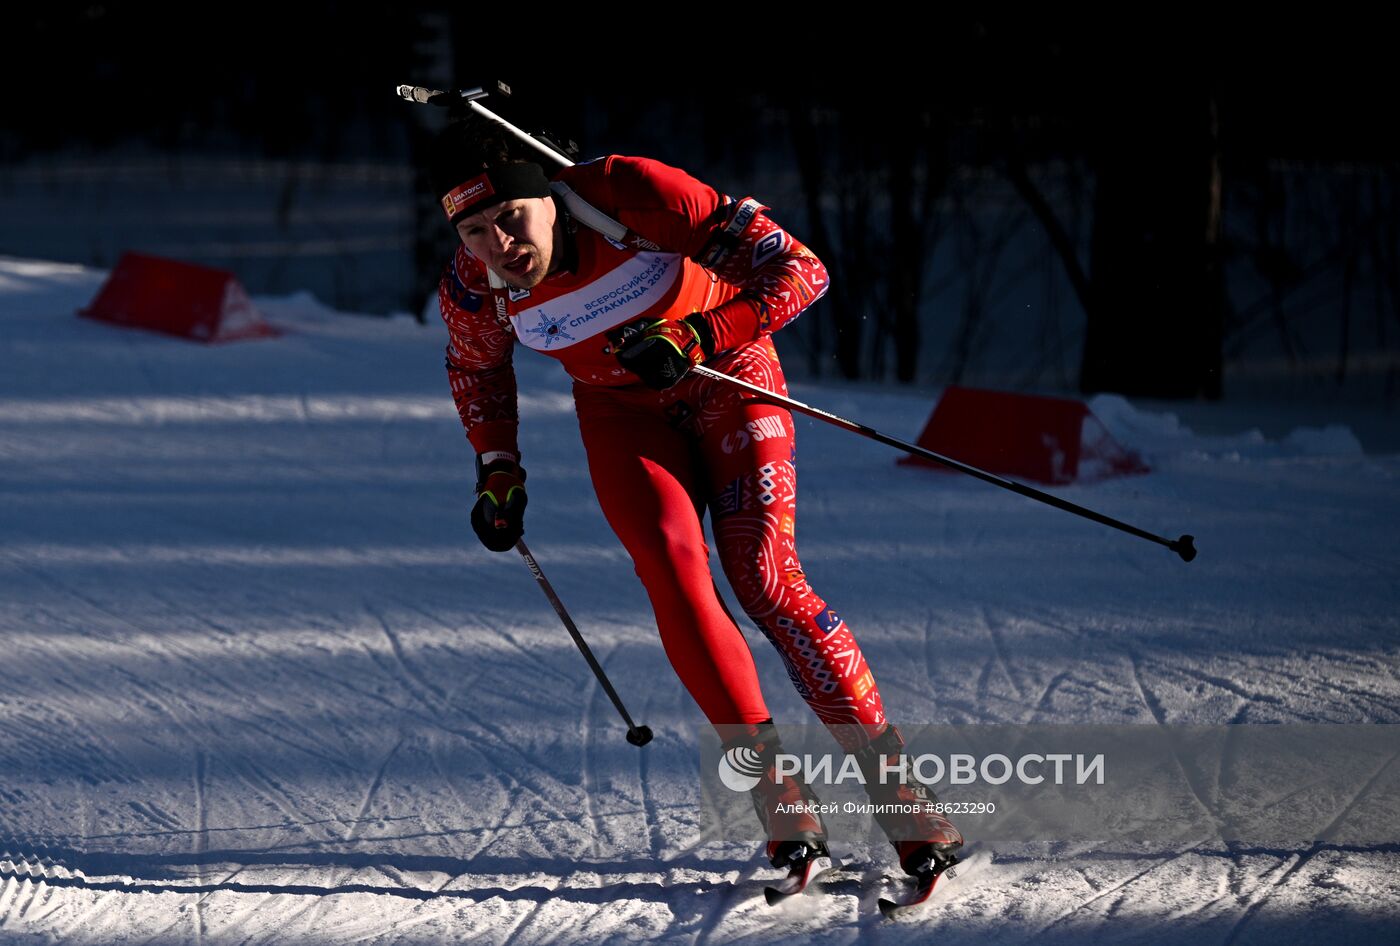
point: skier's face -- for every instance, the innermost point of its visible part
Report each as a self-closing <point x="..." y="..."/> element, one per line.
<point x="515" y="239"/>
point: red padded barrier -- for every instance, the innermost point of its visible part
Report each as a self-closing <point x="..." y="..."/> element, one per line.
<point x="1024" y="436"/>
<point x="184" y="299"/>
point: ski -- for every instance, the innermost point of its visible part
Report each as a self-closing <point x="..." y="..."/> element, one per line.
<point x="798" y="877"/>
<point x="925" y="882"/>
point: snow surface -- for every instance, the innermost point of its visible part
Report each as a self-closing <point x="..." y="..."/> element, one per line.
<point x="259" y="683"/>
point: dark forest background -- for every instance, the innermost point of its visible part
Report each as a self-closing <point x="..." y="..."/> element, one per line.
<point x="1113" y="204"/>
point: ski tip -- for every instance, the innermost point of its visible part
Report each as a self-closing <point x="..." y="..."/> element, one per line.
<point x="924" y="889"/>
<point x="798" y="880"/>
<point x="789" y="888"/>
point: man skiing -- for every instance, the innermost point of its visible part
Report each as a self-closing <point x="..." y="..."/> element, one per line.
<point x="629" y="272"/>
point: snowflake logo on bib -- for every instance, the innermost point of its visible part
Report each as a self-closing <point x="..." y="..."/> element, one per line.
<point x="551" y="330"/>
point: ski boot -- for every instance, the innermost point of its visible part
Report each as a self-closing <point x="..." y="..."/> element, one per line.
<point x="926" y="842"/>
<point x="785" y="809"/>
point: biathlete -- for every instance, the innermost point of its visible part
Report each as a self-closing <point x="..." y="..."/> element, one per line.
<point x="628" y="272"/>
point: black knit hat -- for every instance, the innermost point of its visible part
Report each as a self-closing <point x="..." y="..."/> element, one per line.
<point x="476" y="163"/>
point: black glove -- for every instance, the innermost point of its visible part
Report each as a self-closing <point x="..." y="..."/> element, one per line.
<point x="662" y="353"/>
<point x="499" y="514"/>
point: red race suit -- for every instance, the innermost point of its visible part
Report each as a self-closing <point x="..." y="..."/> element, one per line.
<point x="659" y="458"/>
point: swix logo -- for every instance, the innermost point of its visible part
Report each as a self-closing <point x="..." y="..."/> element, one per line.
<point x="755" y="431"/>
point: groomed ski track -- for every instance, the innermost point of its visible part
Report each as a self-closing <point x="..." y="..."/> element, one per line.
<point x="259" y="683"/>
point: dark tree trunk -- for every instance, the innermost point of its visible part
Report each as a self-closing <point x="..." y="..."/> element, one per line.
<point x="843" y="314"/>
<point x="1156" y="317"/>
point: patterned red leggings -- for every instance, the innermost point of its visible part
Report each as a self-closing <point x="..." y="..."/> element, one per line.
<point x="657" y="459"/>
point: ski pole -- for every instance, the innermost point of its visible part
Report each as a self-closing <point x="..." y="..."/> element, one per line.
<point x="467" y="98"/>
<point x="1184" y="546"/>
<point x="637" y="735"/>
